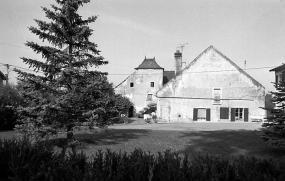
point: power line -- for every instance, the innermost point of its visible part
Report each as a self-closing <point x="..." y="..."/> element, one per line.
<point x="255" y="68"/>
<point x="13" y="45"/>
<point x="21" y="68"/>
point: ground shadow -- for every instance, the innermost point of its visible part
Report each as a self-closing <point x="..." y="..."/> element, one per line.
<point x="133" y="120"/>
<point x="230" y="143"/>
<point x="111" y="136"/>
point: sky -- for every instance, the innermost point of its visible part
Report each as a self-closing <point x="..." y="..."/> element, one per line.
<point x="127" y="31"/>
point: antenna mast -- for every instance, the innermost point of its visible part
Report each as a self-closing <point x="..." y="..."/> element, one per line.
<point x="181" y="46"/>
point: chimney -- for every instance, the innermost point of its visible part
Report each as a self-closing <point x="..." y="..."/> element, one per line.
<point x="178" y="62"/>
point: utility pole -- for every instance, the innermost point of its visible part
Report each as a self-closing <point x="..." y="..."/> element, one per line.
<point x="7" y="75"/>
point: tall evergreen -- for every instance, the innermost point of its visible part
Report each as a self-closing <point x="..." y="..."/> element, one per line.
<point x="274" y="126"/>
<point x="64" y="90"/>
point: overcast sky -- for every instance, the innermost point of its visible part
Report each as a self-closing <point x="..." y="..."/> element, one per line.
<point x="128" y="30"/>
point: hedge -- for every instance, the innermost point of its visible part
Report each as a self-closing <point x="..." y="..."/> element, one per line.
<point x="22" y="160"/>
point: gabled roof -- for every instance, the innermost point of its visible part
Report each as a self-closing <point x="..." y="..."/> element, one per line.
<point x="281" y="67"/>
<point x="149" y="64"/>
<point x="124" y="80"/>
<point x="2" y="76"/>
<point x="226" y="58"/>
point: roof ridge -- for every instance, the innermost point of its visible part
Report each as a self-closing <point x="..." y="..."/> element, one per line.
<point x="225" y="57"/>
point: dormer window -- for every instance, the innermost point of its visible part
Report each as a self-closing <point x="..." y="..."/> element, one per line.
<point x="151" y="84"/>
<point x="131" y="84"/>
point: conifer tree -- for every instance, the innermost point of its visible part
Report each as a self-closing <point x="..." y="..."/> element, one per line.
<point x="65" y="90"/>
<point x="274" y="126"/>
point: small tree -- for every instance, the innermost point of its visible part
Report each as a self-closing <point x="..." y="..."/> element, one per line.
<point x="67" y="91"/>
<point x="9" y="102"/>
<point x="122" y="102"/>
<point x="274" y="127"/>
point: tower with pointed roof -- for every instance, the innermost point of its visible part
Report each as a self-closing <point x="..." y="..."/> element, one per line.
<point x="141" y="86"/>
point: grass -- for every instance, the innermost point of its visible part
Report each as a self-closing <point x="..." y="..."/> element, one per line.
<point x="225" y="140"/>
<point x="224" y="143"/>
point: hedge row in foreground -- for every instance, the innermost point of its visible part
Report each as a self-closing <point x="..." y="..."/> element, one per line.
<point x="21" y="160"/>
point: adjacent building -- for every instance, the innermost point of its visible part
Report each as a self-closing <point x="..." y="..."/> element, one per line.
<point x="279" y="73"/>
<point x="141" y="86"/>
<point x="211" y="88"/>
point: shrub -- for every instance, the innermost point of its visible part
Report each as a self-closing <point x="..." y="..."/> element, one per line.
<point x="22" y="160"/>
<point x="10" y="100"/>
<point x="8" y="117"/>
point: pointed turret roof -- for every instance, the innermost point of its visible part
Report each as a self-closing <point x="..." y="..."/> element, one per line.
<point x="149" y="63"/>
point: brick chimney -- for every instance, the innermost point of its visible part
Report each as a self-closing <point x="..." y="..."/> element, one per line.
<point x="178" y="62"/>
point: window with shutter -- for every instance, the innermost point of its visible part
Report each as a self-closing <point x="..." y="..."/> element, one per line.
<point x="208" y="114"/>
<point x="233" y="111"/>
<point x="239" y="114"/>
<point x="224" y="113"/>
<point x="195" y="114"/>
<point x="245" y="115"/>
<point x="201" y="114"/>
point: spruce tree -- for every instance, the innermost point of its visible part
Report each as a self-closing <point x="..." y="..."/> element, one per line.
<point x="274" y="126"/>
<point x="64" y="90"/>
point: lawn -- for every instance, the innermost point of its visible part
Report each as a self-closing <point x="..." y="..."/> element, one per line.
<point x="226" y="143"/>
<point x="218" y="139"/>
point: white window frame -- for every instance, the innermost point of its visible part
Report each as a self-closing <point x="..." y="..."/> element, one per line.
<point x="238" y="118"/>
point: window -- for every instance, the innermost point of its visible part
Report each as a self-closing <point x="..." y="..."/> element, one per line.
<point x="224" y="113"/>
<point x="149" y="97"/>
<point x="151" y="84"/>
<point x="217" y="96"/>
<point x="131" y="84"/>
<point x="201" y="114"/>
<point x="239" y="114"/>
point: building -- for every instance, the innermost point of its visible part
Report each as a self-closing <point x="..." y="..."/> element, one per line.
<point x="279" y="78"/>
<point x="2" y="78"/>
<point x="211" y="88"/>
<point x="141" y="86"/>
<point x="279" y="73"/>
